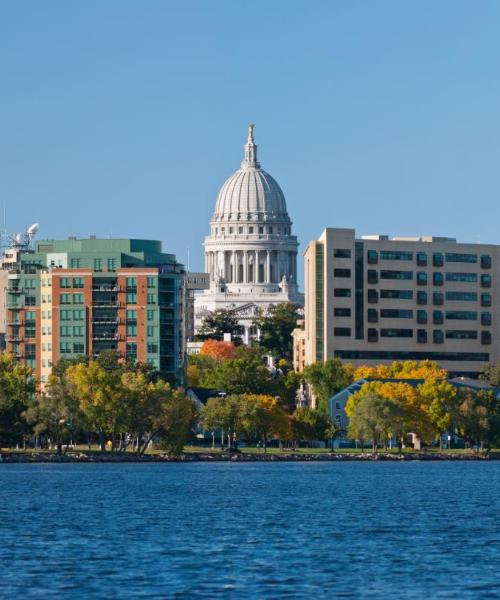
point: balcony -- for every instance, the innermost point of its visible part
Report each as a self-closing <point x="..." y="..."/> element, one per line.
<point x="106" y="321"/>
<point x="113" y="303"/>
<point x="18" y="290"/>
<point x="105" y="288"/>
<point x="106" y="336"/>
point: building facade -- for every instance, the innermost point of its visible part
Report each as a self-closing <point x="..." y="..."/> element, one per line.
<point x="375" y="300"/>
<point x="83" y="296"/>
<point x="193" y="283"/>
<point x="250" y="254"/>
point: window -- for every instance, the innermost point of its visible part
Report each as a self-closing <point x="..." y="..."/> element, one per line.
<point x="79" y="315"/>
<point x="342" y="331"/>
<point x="131" y="282"/>
<point x="437" y="336"/>
<point x="131" y="329"/>
<point x="30" y="332"/>
<point x="30" y="300"/>
<point x="151" y="331"/>
<point x="65" y="331"/>
<point x="387" y="274"/>
<point x="77" y="298"/>
<point x="396" y="333"/>
<point x="151" y="282"/>
<point x="151" y="314"/>
<point x="485" y="299"/>
<point x="342" y="272"/>
<point x="230" y="230"/>
<point x="65" y="282"/>
<point x="78" y="331"/>
<point x="467" y="277"/>
<point x="342" y="253"/>
<point x="437" y="278"/>
<point x="437" y="298"/>
<point x="461" y="296"/>
<point x="485" y="280"/>
<point x="437" y="317"/>
<point x="250" y="229"/>
<point x="131" y="297"/>
<point x="372" y="276"/>
<point x="462" y="258"/>
<point x="97" y="264"/>
<point x="131" y="314"/>
<point x="485" y="318"/>
<point x="78" y="348"/>
<point x="65" y="348"/>
<point x="461" y="315"/>
<point x="152" y="348"/>
<point x="372" y="335"/>
<point x="342" y="292"/>
<point x="397" y="294"/>
<point x="75" y="263"/>
<point x="151" y="299"/>
<point x="111" y="264"/>
<point x="240" y="230"/>
<point x="421" y="259"/>
<point x="485" y="261"/>
<point x="485" y="338"/>
<point x="395" y="255"/>
<point x="421" y="278"/>
<point x="421" y="336"/>
<point x="78" y="282"/>
<point x="372" y="296"/>
<point x="131" y="351"/>
<point x="421" y="317"/>
<point x="65" y="299"/>
<point x="372" y="257"/>
<point x="65" y="315"/>
<point x="437" y="259"/>
<point x="461" y="334"/>
<point x="261" y="229"/>
<point x="372" y="315"/>
<point x="392" y="313"/>
<point x="342" y="312"/>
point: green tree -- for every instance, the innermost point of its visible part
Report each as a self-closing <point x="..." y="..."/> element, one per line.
<point x="262" y="417"/>
<point x="478" y="417"/>
<point x="217" y="323"/>
<point x="491" y="374"/>
<point x="175" y="422"/>
<point x="223" y="414"/>
<point x="438" y="399"/>
<point x="17" y="386"/>
<point x="327" y="379"/>
<point x="276" y="326"/>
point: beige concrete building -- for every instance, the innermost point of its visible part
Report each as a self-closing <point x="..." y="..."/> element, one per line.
<point x="299" y="347"/>
<point x="374" y="299"/>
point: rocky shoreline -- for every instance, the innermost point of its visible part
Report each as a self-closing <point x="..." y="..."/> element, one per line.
<point x="82" y="457"/>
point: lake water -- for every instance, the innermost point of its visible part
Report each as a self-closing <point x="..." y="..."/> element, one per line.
<point x="254" y="530"/>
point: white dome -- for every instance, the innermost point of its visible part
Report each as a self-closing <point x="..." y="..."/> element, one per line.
<point x="251" y="194"/>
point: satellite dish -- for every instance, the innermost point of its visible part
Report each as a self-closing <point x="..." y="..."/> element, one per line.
<point x="33" y="229"/>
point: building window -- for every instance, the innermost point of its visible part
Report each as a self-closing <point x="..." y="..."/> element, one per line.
<point x="485" y="318"/>
<point x="461" y="258"/>
<point x="437" y="259"/>
<point x="131" y="297"/>
<point x="150" y="314"/>
<point x="485" y="338"/>
<point x="437" y="336"/>
<point x="437" y="317"/>
<point x="372" y="276"/>
<point x="131" y="283"/>
<point x="485" y="280"/>
<point x="151" y="299"/>
<point x="462" y="277"/>
<point x="461" y="315"/>
<point x="393" y="313"/>
<point x="131" y="314"/>
<point x="461" y="296"/>
<point x="421" y="298"/>
<point x="151" y="282"/>
<point x="421" y="317"/>
<point x="485" y="299"/>
<point x="396" y="333"/>
<point x="388" y="274"/>
<point x="397" y="294"/>
<point x="437" y="298"/>
<point x="79" y="315"/>
<point x="131" y="330"/>
<point x="372" y="296"/>
<point x="342" y="312"/>
<point x="437" y="278"/>
<point x="97" y="264"/>
<point x="65" y="331"/>
<point x="111" y="264"/>
<point x="78" y="348"/>
<point x="78" y="282"/>
<point x="65" y="282"/>
<point x="250" y="229"/>
<point x="421" y="278"/>
<point x="78" y="331"/>
<point x="152" y="348"/>
<point x="261" y="230"/>
<point x="65" y="348"/>
<point x="131" y="351"/>
<point x="342" y="292"/>
<point x="372" y="335"/>
<point x="485" y="261"/>
<point x="75" y="263"/>
<point x="342" y="331"/>
<point x="30" y="300"/>
<point x="65" y="299"/>
<point x="65" y="314"/>
<point x="372" y="315"/>
<point x="421" y="336"/>
<point x="421" y="259"/>
<point x="372" y="257"/>
<point x="342" y="273"/>
<point x="151" y="331"/>
<point x="461" y="334"/>
<point x="395" y="255"/>
<point x="342" y="253"/>
<point x="77" y="298"/>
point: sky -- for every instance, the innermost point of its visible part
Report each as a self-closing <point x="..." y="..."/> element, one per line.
<point x="123" y="118"/>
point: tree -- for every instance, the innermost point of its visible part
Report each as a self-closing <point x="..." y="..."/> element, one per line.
<point x="223" y="413"/>
<point x="217" y="323"/>
<point x="262" y="417"/>
<point x="218" y="350"/>
<point x="491" y="374"/>
<point x="408" y="369"/>
<point x="478" y="417"/>
<point x="17" y="386"/>
<point x="175" y="422"/>
<point x="199" y="369"/>
<point x="438" y="400"/>
<point x="327" y="379"/>
<point x="310" y="425"/>
<point x="276" y="326"/>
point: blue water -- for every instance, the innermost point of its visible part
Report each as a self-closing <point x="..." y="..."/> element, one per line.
<point x="255" y="530"/>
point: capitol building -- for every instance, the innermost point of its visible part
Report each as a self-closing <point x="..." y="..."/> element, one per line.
<point x="250" y="253"/>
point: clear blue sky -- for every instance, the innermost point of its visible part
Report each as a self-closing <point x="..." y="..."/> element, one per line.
<point x="124" y="118"/>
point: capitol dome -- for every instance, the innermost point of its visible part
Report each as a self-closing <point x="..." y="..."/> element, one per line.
<point x="251" y="194"/>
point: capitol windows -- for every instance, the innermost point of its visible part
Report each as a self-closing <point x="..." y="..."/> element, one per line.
<point x="261" y="230"/>
<point x="240" y="229"/>
<point x="230" y="230"/>
<point x="223" y="230"/>
<point x="270" y="229"/>
<point x="250" y="230"/>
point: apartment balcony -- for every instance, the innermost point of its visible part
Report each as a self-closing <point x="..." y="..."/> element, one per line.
<point x="111" y="303"/>
<point x="106" y="336"/>
<point x="15" y="290"/>
<point x="106" y="321"/>
<point x="105" y="288"/>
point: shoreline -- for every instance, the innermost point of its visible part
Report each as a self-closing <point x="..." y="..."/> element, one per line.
<point x="92" y="458"/>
